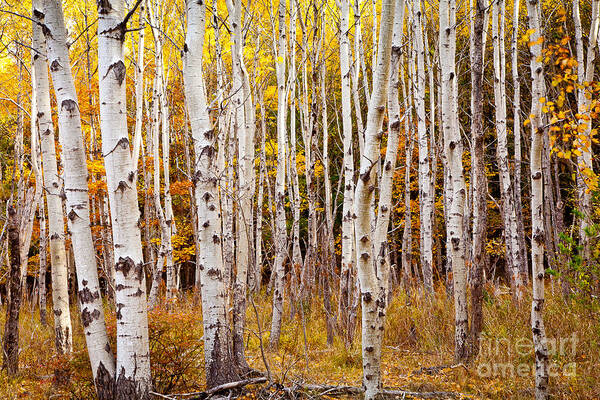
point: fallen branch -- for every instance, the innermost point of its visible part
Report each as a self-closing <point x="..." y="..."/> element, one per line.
<point x="234" y="385"/>
<point x="318" y="390"/>
<point x="212" y="391"/>
<point x="332" y="390"/>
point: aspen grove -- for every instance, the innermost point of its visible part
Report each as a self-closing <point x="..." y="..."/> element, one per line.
<point x="299" y="198"/>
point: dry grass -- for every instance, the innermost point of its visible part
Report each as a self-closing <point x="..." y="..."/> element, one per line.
<point x="419" y="335"/>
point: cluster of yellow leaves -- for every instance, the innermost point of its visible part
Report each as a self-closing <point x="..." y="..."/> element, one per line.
<point x="571" y="134"/>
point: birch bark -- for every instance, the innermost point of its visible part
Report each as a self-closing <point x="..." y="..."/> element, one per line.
<point x="425" y="180"/>
<point x="373" y="282"/>
<point x="538" y="131"/>
<point x="506" y="189"/>
<point x="53" y="189"/>
<point x="77" y="201"/>
<point x="217" y="351"/>
<point x="133" y="358"/>
<point x="480" y="189"/>
<point x="280" y="226"/>
<point x="585" y="74"/>
<point x="453" y="148"/>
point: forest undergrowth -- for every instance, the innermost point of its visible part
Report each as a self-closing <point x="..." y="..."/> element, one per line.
<point x="418" y="354"/>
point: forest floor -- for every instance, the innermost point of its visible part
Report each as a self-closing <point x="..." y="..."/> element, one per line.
<point x="417" y="353"/>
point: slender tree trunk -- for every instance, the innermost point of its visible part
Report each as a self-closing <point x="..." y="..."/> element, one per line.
<point x="133" y="358"/>
<point x="381" y="246"/>
<point x="43" y="264"/>
<point x="10" y="340"/>
<point x="373" y="282"/>
<point x="347" y="239"/>
<point x="356" y="69"/>
<point x="217" y="339"/>
<point x="245" y="141"/>
<point x="480" y="189"/>
<point x="281" y="230"/>
<point x="454" y="152"/>
<point x="506" y="190"/>
<point x="522" y="262"/>
<point x="425" y="186"/>
<point x="258" y="258"/>
<point x="77" y="202"/>
<point x="407" y="275"/>
<point x="538" y="131"/>
<point x="53" y="189"/>
<point x="297" y="261"/>
<point x="585" y="74"/>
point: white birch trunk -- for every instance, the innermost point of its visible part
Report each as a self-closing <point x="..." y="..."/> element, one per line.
<point x="506" y="191"/>
<point x="133" y="358"/>
<point x="53" y="189"/>
<point x="373" y="282"/>
<point x="523" y="264"/>
<point x="425" y="178"/>
<point x="280" y="226"/>
<point x="585" y="73"/>
<point x="538" y="131"/>
<point x="77" y="199"/>
<point x="258" y="258"/>
<point x="453" y="149"/>
<point x="297" y="260"/>
<point x="218" y="357"/>
<point x="347" y="239"/>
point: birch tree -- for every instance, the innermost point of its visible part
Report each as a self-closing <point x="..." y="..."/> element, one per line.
<point x="517" y="140"/>
<point x="585" y="73"/>
<point x="10" y="338"/>
<point x="280" y="226"/>
<point x="538" y="131"/>
<point x="244" y="128"/>
<point x="297" y="260"/>
<point x="52" y="189"/>
<point x="217" y="351"/>
<point x="77" y="199"/>
<point x="479" y="179"/>
<point x="347" y="235"/>
<point x="509" y="217"/>
<point x="373" y="282"/>
<point x="453" y="149"/>
<point x="133" y="358"/>
<point x="425" y="180"/>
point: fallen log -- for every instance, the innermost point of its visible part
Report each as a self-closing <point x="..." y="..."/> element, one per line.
<point x="333" y="390"/>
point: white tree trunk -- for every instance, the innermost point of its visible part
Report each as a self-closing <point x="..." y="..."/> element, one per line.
<point x="523" y="264"/>
<point x="509" y="216"/>
<point x="280" y="225"/>
<point x="385" y="205"/>
<point x="373" y="282"/>
<point x="409" y="147"/>
<point x="217" y="352"/>
<point x="244" y="128"/>
<point x="585" y="73"/>
<point x="297" y="260"/>
<point x="133" y="358"/>
<point x="53" y="190"/>
<point x="453" y="149"/>
<point x="425" y="178"/>
<point x="538" y="130"/>
<point x="77" y="199"/>
<point x="347" y="240"/>
<point x="262" y="180"/>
